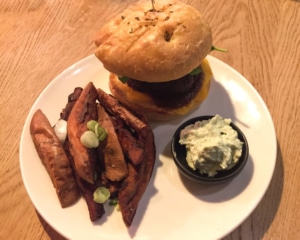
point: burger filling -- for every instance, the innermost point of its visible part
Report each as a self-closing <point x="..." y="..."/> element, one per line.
<point x="168" y="94"/>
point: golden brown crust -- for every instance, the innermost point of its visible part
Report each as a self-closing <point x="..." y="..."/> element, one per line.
<point x="142" y="102"/>
<point x="84" y="110"/>
<point x="54" y="158"/>
<point x="175" y="37"/>
<point x="135" y="184"/>
<point x="111" y="150"/>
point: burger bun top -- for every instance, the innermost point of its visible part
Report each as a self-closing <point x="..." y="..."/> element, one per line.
<point x="154" y="45"/>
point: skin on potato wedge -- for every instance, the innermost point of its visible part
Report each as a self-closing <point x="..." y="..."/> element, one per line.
<point x="84" y="110"/>
<point x="54" y="158"/>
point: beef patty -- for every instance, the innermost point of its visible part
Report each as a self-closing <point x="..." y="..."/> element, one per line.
<point x="168" y="94"/>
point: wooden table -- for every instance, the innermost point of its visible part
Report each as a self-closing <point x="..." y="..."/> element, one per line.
<point x="40" y="38"/>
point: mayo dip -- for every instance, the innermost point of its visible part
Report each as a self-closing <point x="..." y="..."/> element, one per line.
<point x="212" y="145"/>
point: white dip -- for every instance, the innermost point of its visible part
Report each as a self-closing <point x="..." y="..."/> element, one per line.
<point x="211" y="145"/>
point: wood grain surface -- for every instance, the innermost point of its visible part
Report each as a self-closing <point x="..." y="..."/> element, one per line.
<point x="41" y="38"/>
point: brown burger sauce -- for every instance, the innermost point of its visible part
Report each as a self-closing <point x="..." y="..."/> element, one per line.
<point x="172" y="94"/>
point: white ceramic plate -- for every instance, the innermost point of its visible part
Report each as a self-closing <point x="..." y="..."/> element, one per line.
<point x="172" y="207"/>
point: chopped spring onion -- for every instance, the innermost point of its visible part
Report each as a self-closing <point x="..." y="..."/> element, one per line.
<point x="91" y="125"/>
<point x="100" y="132"/>
<point x="97" y="129"/>
<point x="89" y="139"/>
<point x="113" y="202"/>
<point x="92" y="137"/>
<point x="101" y="195"/>
<point x="60" y="129"/>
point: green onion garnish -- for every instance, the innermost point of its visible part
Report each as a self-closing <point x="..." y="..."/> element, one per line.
<point x="113" y="202"/>
<point x="89" y="139"/>
<point x="101" y="195"/>
<point x="100" y="132"/>
<point x="93" y="135"/>
<point x="91" y="125"/>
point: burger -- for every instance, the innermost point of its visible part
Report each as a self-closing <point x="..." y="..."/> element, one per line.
<point x="156" y="55"/>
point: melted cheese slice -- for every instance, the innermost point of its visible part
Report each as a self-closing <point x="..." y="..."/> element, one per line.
<point x="141" y="101"/>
